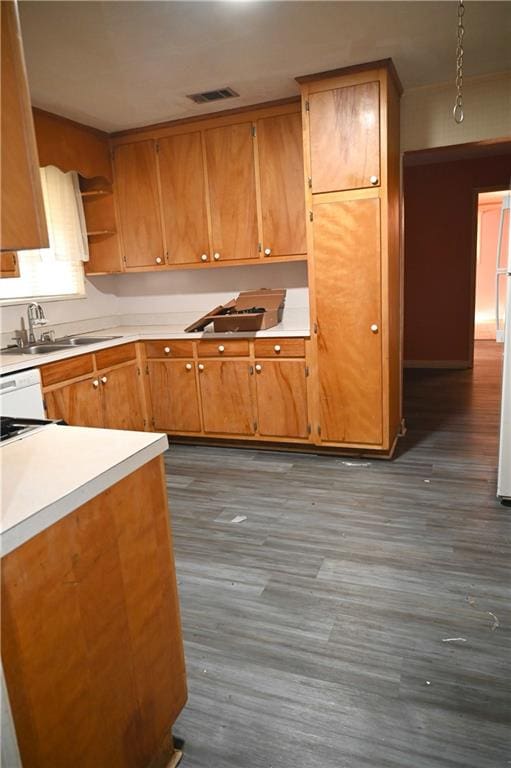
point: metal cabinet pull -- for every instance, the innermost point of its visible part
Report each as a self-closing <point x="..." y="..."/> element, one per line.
<point x="374" y="328"/>
<point x="267" y="251"/>
<point x="277" y="348"/>
<point x="216" y="256"/>
<point x="188" y="366"/>
<point x="158" y="259"/>
<point x="200" y="367"/>
<point x="221" y="348"/>
<point x="259" y="368"/>
<point x="104" y="379"/>
<point x="373" y="179"/>
<point x="204" y="257"/>
<point x="95" y="383"/>
<point x="166" y="350"/>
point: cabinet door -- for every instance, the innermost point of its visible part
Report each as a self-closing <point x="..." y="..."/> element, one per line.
<point x="122" y="406"/>
<point x="347" y="270"/>
<point x="23" y="222"/>
<point x="232" y="194"/>
<point x="79" y="404"/>
<point x="183" y="198"/>
<point x="226" y="397"/>
<point x="345" y="137"/>
<point x="9" y="265"/>
<point x="174" y="395"/>
<point x="280" y="147"/>
<point x="281" y="398"/>
<point x="138" y="201"/>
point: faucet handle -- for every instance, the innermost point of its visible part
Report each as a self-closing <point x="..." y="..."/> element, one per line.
<point x="48" y="335"/>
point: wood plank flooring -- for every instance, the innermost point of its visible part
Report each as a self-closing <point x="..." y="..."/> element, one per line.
<point x="316" y="631"/>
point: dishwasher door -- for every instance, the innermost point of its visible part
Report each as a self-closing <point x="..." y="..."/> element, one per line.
<point x="21" y="395"/>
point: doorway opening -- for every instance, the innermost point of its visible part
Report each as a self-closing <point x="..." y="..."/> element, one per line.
<point x="491" y="246"/>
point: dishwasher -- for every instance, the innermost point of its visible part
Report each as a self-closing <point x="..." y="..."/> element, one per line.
<point x="21" y="395"/>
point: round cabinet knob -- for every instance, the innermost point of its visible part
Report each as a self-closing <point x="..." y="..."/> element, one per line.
<point x="216" y="256"/>
<point x="374" y="328"/>
<point x="158" y="259"/>
<point x="277" y="348"/>
<point x="259" y="368"/>
<point x="188" y="366"/>
<point x="200" y="367"/>
<point x="95" y="383"/>
<point x="267" y="251"/>
<point x="221" y="348"/>
<point x="373" y="179"/>
<point x="104" y="379"/>
<point x="204" y="257"/>
<point x="166" y="350"/>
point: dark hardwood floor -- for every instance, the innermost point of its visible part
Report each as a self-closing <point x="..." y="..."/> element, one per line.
<point x="321" y="631"/>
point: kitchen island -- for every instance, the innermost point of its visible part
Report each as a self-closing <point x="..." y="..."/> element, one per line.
<point x="91" y="638"/>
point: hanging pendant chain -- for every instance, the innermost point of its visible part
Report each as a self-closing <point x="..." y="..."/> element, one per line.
<point x="457" y="112"/>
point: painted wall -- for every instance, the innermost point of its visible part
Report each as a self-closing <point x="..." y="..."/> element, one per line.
<point x="439" y="254"/>
<point x="426" y="113"/>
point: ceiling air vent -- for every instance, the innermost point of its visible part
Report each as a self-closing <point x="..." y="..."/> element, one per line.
<point x="206" y="96"/>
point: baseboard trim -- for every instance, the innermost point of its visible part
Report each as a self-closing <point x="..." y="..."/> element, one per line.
<point x="454" y="364"/>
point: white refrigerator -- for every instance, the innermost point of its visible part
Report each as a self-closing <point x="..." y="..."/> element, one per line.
<point x="504" y="336"/>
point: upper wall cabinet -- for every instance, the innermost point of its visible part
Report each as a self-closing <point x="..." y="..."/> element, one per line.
<point x="138" y="204"/>
<point x="232" y="191"/>
<point x="280" y="147"/>
<point x="345" y="137"/>
<point x="183" y="196"/>
<point x="23" y="223"/>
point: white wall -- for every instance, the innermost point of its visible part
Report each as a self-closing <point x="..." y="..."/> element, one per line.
<point x="100" y="302"/>
<point x="426" y="113"/>
<point x="197" y="290"/>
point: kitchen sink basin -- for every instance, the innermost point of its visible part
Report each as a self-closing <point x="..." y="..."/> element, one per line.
<point x="78" y="341"/>
<point x="38" y="349"/>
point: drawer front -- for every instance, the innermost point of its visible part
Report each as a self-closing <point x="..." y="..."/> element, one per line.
<point x="223" y="348"/>
<point x="115" y="355"/>
<point x="53" y="373"/>
<point x="169" y="348"/>
<point x="279" y="347"/>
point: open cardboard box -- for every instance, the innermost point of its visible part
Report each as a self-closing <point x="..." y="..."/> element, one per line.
<point x="269" y="300"/>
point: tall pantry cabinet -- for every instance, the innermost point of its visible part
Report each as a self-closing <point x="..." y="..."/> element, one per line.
<point x="351" y="154"/>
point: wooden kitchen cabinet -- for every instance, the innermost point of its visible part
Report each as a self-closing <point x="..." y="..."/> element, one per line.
<point x="78" y="403"/>
<point x="351" y="153"/>
<point x="183" y="196"/>
<point x="110" y="396"/>
<point x="226" y="397"/>
<point x="232" y="192"/>
<point x="280" y="147"/>
<point x="344" y="137"/>
<point x="92" y="647"/>
<point x="138" y="204"/>
<point x="9" y="264"/>
<point x="22" y="217"/>
<point x="348" y="296"/>
<point x="121" y="398"/>
<point x="281" y="394"/>
<point x="174" y="395"/>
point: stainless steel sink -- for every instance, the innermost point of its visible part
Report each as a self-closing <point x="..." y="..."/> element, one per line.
<point x="78" y="341"/>
<point x="35" y="349"/>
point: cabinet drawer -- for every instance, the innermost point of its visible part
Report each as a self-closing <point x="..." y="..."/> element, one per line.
<point x="169" y="348"/>
<point x="53" y="373"/>
<point x="223" y="348"/>
<point x="279" y="347"/>
<point x="115" y="355"/>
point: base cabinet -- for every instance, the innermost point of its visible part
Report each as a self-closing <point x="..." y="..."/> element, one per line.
<point x="121" y="398"/>
<point x="174" y="395"/>
<point x="79" y="404"/>
<point x="91" y="635"/>
<point x="226" y="397"/>
<point x="281" y="389"/>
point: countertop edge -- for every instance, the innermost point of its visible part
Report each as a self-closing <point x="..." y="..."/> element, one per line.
<point x="39" y="521"/>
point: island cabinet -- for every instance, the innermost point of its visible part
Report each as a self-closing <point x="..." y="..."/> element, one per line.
<point x="23" y="221"/>
<point x="100" y="390"/>
<point x="351" y="148"/>
<point x="219" y="190"/>
<point x="91" y="636"/>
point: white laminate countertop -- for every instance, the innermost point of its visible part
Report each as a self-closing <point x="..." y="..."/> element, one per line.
<point x="16" y="361"/>
<point x="52" y="471"/>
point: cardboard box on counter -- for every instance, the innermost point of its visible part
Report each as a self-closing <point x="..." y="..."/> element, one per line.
<point x="267" y="305"/>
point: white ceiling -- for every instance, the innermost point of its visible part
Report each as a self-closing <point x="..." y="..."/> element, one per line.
<point x="117" y="65"/>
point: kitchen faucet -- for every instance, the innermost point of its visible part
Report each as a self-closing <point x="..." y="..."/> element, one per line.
<point x="36" y="316"/>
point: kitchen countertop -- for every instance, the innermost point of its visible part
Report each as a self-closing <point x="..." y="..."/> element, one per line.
<point x="50" y="472"/>
<point x="14" y="361"/>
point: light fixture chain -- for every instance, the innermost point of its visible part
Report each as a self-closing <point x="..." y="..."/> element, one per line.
<point x="458" y="112"/>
